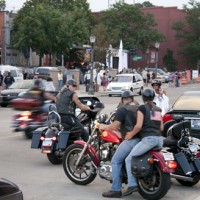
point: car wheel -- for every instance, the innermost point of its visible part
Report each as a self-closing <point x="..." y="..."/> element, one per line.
<point x="140" y="92"/>
<point x="110" y="95"/>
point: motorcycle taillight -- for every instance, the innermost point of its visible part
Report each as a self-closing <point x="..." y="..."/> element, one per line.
<point x="172" y="164"/>
<point x="53" y="138"/>
<point x="42" y="138"/>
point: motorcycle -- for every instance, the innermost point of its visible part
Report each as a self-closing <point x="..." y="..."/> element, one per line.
<point x="54" y="139"/>
<point x="186" y="152"/>
<point x="82" y="161"/>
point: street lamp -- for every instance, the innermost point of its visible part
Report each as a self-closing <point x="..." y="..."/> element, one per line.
<point x="91" y="88"/>
<point x="157" y="45"/>
<point x="110" y="53"/>
<point x="147" y="54"/>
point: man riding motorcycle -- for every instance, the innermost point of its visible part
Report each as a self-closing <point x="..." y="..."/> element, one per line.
<point x="125" y="119"/>
<point x="66" y="103"/>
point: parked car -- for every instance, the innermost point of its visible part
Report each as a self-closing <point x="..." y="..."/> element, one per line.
<point x="186" y="106"/>
<point x="161" y="75"/>
<point x="122" y="82"/>
<point x="16" y="88"/>
<point x="44" y="72"/>
<point x="9" y="190"/>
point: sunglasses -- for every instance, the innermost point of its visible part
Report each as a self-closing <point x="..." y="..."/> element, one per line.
<point x="74" y="85"/>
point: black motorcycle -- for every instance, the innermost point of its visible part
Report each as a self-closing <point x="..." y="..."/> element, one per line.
<point x="186" y="152"/>
<point x="54" y="139"/>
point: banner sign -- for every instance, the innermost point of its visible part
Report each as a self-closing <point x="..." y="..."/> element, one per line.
<point x="152" y="56"/>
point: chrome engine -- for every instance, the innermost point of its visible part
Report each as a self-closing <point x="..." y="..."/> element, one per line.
<point x="107" y="152"/>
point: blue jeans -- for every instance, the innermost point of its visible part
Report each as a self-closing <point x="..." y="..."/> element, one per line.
<point x="146" y="144"/>
<point x="118" y="160"/>
<point x="60" y="84"/>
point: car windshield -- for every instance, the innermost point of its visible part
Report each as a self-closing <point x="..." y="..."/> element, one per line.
<point x="123" y="79"/>
<point x="42" y="71"/>
<point x="187" y="103"/>
<point x="22" y="85"/>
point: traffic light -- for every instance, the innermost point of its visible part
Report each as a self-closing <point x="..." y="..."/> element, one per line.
<point x="133" y="51"/>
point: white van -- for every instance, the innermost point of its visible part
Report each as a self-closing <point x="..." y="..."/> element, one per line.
<point x="15" y="71"/>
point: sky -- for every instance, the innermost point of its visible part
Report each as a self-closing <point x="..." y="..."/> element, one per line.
<point x="98" y="5"/>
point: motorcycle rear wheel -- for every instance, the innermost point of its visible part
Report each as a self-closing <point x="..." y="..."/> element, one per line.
<point x="154" y="186"/>
<point x="85" y="172"/>
<point x="28" y="134"/>
<point x="54" y="159"/>
<point x="188" y="183"/>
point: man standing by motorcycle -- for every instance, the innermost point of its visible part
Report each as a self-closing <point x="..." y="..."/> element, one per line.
<point x="66" y="103"/>
<point x="149" y="126"/>
<point x="125" y="119"/>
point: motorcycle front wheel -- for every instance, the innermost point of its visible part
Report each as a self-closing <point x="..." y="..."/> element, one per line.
<point x="54" y="159"/>
<point x="154" y="186"/>
<point x="85" y="172"/>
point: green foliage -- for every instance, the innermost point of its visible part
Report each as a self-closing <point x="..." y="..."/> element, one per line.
<point x="48" y="27"/>
<point x="128" y="23"/>
<point x="2" y="5"/>
<point x="188" y="32"/>
<point x="169" y="62"/>
<point x="145" y="4"/>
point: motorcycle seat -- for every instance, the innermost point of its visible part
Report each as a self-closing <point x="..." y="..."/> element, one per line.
<point x="169" y="141"/>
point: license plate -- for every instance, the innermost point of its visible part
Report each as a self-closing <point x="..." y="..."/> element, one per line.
<point x="195" y="123"/>
<point x="168" y="156"/>
<point x="194" y="147"/>
<point x="47" y="143"/>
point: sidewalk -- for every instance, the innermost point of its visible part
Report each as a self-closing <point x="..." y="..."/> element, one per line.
<point x="82" y="92"/>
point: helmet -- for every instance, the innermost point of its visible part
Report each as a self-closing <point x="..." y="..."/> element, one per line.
<point x="148" y="94"/>
<point x="127" y="94"/>
<point x="156" y="82"/>
<point x="72" y="82"/>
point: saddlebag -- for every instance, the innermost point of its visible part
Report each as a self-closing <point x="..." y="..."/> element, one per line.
<point x="63" y="139"/>
<point x="140" y="166"/>
<point x="36" y="142"/>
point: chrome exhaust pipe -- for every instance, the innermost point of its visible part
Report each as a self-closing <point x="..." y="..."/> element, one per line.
<point x="184" y="178"/>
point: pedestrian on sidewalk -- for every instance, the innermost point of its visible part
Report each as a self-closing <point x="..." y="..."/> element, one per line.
<point x="60" y="80"/>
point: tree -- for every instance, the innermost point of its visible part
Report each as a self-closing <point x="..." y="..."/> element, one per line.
<point x="2" y="5"/>
<point x="49" y="30"/>
<point x="128" y="23"/>
<point x="188" y="32"/>
<point x="145" y="4"/>
<point x="169" y="62"/>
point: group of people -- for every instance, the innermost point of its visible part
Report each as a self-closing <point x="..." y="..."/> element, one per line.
<point x="6" y="80"/>
<point x="140" y="126"/>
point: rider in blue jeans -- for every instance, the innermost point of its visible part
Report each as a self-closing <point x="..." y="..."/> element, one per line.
<point x="149" y="126"/>
<point x="125" y="119"/>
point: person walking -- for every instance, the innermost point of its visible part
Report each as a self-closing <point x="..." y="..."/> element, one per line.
<point x="1" y="81"/>
<point x="60" y="80"/>
<point x="104" y="81"/>
<point x="97" y="82"/>
<point x="9" y="80"/>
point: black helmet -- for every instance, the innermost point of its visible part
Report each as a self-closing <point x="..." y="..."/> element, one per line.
<point x="72" y="82"/>
<point x="156" y="82"/>
<point x="148" y="94"/>
<point x="127" y="94"/>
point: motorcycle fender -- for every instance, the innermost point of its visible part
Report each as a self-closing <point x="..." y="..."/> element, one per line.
<point x="63" y="139"/>
<point x="161" y="161"/>
<point x="91" y="150"/>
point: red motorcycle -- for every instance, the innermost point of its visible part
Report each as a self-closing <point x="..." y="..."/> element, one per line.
<point x="83" y="161"/>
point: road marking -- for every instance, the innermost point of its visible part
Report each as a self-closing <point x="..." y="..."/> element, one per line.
<point x="17" y="135"/>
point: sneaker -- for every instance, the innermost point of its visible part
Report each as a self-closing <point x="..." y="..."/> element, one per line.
<point x="112" y="194"/>
<point x="130" y="190"/>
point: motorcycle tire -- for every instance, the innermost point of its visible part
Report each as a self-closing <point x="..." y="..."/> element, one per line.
<point x="85" y="173"/>
<point x="54" y="159"/>
<point x="188" y="183"/>
<point x="28" y="134"/>
<point x="154" y="186"/>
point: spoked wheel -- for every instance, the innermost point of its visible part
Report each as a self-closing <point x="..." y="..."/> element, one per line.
<point x="188" y="183"/>
<point x="54" y="159"/>
<point x="85" y="172"/>
<point x="154" y="186"/>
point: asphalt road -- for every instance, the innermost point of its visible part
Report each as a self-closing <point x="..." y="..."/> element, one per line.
<point x="38" y="179"/>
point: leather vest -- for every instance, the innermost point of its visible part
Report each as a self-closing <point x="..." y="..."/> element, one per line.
<point x="151" y="125"/>
<point x="130" y="119"/>
<point x="64" y="102"/>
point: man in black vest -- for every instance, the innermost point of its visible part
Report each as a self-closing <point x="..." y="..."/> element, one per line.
<point x="66" y="103"/>
<point x="125" y="120"/>
<point x="9" y="80"/>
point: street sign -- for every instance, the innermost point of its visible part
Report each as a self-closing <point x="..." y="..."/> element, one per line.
<point x="135" y="58"/>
